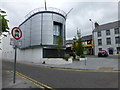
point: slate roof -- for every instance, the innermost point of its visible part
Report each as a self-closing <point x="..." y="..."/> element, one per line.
<point x="107" y="26"/>
<point x="88" y="37"/>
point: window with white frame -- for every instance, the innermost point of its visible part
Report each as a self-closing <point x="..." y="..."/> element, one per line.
<point x="99" y="42"/>
<point x="117" y="30"/>
<point x="99" y="33"/>
<point x="117" y="40"/>
<point x="107" y="32"/>
<point x="108" y="41"/>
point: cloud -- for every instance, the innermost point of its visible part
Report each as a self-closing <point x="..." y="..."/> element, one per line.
<point x="102" y="12"/>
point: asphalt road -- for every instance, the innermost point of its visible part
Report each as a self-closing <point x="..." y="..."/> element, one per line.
<point x="66" y="79"/>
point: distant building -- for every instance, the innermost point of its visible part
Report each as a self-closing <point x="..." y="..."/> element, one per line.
<point x="107" y="37"/>
<point x="88" y="44"/>
<point x="86" y="41"/>
<point x="69" y="43"/>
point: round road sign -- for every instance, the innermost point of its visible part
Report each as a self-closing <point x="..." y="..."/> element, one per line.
<point x="16" y="33"/>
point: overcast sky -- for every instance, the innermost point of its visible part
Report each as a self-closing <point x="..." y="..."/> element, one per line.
<point x="101" y="12"/>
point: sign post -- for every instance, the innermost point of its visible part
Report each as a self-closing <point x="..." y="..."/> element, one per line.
<point x="14" y="77"/>
<point x="17" y="34"/>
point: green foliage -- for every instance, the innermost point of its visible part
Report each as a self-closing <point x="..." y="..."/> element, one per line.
<point x="77" y="45"/>
<point x="80" y="47"/>
<point x="66" y="58"/>
<point x="3" y="22"/>
<point x="73" y="55"/>
<point x="74" y="44"/>
<point x="59" y="44"/>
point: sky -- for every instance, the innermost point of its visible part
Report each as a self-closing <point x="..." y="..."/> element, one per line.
<point x="101" y="11"/>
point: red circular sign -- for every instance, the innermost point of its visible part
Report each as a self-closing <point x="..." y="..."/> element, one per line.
<point x="16" y="33"/>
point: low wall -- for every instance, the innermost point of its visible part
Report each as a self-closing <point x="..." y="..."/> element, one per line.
<point x="56" y="61"/>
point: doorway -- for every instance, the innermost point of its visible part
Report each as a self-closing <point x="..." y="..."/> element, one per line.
<point x="110" y="50"/>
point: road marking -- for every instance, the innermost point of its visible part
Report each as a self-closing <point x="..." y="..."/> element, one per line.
<point x="70" y="69"/>
<point x="86" y="70"/>
<point x="38" y="84"/>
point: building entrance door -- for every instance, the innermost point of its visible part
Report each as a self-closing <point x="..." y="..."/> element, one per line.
<point x="110" y="50"/>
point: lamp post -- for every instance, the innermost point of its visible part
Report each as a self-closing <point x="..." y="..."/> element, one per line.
<point x="92" y="23"/>
<point x="92" y="35"/>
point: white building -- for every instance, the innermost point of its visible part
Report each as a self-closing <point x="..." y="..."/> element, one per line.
<point x="40" y="30"/>
<point x="0" y="48"/>
<point x="107" y="37"/>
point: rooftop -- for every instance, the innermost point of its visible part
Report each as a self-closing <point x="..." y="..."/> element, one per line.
<point x="107" y="26"/>
<point x="42" y="9"/>
<point x="84" y="38"/>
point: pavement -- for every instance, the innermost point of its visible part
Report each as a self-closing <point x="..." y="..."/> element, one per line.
<point x="0" y="74"/>
<point x="92" y="63"/>
<point x="20" y="82"/>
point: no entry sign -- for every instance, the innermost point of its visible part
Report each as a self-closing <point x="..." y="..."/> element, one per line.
<point x="16" y="33"/>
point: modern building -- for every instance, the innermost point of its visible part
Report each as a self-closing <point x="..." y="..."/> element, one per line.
<point x="43" y="29"/>
<point x="40" y="33"/>
<point x="107" y="37"/>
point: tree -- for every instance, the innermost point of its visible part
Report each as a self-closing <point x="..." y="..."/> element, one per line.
<point x="3" y="22"/>
<point x="77" y="45"/>
<point x="59" y="44"/>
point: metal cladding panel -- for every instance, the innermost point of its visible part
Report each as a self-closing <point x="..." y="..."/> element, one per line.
<point x="60" y="19"/>
<point x="27" y="33"/>
<point x="36" y="30"/>
<point x="47" y="29"/>
<point x="47" y="16"/>
<point x="23" y="35"/>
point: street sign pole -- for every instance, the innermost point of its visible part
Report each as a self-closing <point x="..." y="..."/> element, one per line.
<point x="14" y="78"/>
<point x="17" y="34"/>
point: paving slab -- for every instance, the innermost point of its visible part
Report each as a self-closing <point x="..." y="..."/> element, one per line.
<point x="92" y="63"/>
<point x="20" y="82"/>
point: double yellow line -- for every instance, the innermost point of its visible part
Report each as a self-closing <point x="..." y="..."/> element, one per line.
<point x="36" y="83"/>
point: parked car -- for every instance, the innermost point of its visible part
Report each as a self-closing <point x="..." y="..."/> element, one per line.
<point x="102" y="53"/>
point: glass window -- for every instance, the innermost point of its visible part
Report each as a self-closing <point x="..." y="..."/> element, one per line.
<point x="100" y="49"/>
<point x="108" y="41"/>
<point x="117" y="40"/>
<point x="99" y="33"/>
<point x="117" y="31"/>
<point x="107" y="32"/>
<point x="99" y="41"/>
<point x="56" y="31"/>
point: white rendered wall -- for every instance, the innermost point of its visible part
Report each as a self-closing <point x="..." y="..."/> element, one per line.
<point x="104" y="46"/>
<point x="31" y="55"/>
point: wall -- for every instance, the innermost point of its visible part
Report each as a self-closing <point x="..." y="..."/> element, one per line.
<point x="31" y="55"/>
<point x="38" y="29"/>
<point x="104" y="46"/>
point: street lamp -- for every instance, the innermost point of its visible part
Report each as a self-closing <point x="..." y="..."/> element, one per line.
<point x="92" y="36"/>
<point x="92" y="23"/>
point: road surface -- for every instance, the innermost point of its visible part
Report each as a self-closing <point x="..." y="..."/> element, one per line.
<point x="58" y="78"/>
